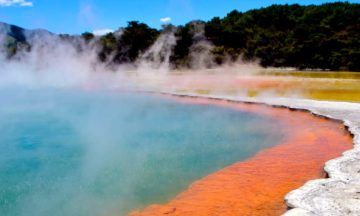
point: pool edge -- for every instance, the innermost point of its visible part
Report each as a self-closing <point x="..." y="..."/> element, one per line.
<point x="301" y="201"/>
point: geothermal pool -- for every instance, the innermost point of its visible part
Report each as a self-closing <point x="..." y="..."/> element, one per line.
<point x="107" y="153"/>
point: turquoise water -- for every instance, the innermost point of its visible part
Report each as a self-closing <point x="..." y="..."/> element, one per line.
<point x="107" y="153"/>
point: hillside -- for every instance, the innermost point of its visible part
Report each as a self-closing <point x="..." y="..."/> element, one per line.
<point x="304" y="37"/>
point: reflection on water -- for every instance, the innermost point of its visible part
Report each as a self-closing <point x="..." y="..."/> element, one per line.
<point x="103" y="153"/>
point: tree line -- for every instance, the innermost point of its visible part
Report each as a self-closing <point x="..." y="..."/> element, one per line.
<point x="323" y="36"/>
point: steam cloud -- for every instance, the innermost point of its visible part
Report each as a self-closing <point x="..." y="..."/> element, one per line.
<point x="157" y="57"/>
<point x="200" y="52"/>
<point x="53" y="61"/>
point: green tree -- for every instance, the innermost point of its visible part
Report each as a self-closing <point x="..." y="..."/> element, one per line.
<point x="87" y="36"/>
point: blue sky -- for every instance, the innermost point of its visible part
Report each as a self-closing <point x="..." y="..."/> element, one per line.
<point x="77" y="16"/>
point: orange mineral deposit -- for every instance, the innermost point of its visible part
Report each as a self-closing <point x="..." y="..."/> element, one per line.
<point x="258" y="185"/>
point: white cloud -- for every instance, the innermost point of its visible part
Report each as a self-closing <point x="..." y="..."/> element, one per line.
<point x="165" y="20"/>
<point x="100" y="32"/>
<point x="21" y="3"/>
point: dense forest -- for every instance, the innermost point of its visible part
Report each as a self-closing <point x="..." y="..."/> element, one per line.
<point x="323" y="36"/>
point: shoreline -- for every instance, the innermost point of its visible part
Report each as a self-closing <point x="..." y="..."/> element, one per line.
<point x="338" y="194"/>
<point x="265" y="208"/>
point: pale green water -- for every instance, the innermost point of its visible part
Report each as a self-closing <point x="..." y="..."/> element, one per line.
<point x="102" y="153"/>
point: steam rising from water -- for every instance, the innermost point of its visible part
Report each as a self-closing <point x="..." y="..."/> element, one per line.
<point x="55" y="62"/>
<point x="200" y="52"/>
<point x="157" y="58"/>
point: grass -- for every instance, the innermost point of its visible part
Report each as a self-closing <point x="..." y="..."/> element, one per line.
<point x="334" y="95"/>
<point x="313" y="74"/>
<point x="331" y="86"/>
